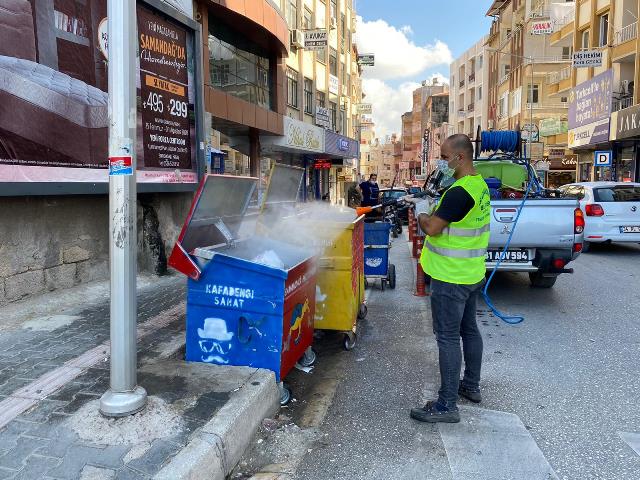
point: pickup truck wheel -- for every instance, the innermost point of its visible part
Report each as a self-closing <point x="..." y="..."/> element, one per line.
<point x="539" y="281"/>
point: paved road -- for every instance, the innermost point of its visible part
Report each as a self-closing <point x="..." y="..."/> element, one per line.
<point x="570" y="373"/>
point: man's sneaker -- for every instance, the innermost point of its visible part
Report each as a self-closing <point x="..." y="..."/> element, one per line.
<point x="433" y="412"/>
<point x="472" y="395"/>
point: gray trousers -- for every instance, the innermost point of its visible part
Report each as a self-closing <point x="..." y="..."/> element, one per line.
<point x="453" y="308"/>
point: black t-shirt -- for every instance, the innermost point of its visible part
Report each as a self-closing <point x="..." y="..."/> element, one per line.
<point x="455" y="205"/>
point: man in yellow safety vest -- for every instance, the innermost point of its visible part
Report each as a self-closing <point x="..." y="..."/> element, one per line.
<point x="454" y="256"/>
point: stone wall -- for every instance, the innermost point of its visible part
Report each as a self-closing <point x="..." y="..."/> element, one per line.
<point x="49" y="243"/>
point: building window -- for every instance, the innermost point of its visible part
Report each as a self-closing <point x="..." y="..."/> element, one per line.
<point x="334" y="9"/>
<point x="333" y="110"/>
<point x="333" y="62"/>
<point x="585" y="39"/>
<point x="292" y="14"/>
<point x="480" y="93"/>
<point x="603" y="22"/>
<point x="479" y="64"/>
<point x="321" y="99"/>
<point x="292" y="88"/>
<point x="343" y="121"/>
<point x="307" y="21"/>
<point x="566" y="53"/>
<point x="343" y="71"/>
<point x="239" y="67"/>
<point x="343" y="29"/>
<point x="308" y="96"/>
<point x="564" y="99"/>
<point x="533" y="94"/>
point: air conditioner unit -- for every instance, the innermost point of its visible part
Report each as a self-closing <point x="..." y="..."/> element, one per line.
<point x="333" y="23"/>
<point x="297" y="38"/>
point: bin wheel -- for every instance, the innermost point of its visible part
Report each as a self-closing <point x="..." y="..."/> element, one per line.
<point x="382" y="282"/>
<point x="391" y="277"/>
<point x="362" y="312"/>
<point x="285" y="394"/>
<point x="394" y="233"/>
<point x="350" y="340"/>
<point x="309" y="358"/>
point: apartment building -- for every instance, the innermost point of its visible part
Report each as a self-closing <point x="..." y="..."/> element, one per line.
<point x="604" y="102"/>
<point x="526" y="68"/>
<point x="418" y="123"/>
<point x="323" y="90"/>
<point x="468" y="78"/>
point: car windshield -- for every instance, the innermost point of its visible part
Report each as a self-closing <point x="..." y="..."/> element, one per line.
<point x="621" y="193"/>
<point x="393" y="193"/>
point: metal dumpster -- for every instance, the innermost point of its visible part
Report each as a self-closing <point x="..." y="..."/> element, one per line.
<point x="377" y="243"/>
<point x="250" y="301"/>
<point x="338" y="237"/>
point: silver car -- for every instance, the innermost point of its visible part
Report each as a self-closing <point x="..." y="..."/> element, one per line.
<point x="611" y="211"/>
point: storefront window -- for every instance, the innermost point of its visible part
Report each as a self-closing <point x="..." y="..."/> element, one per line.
<point x="626" y="165"/>
<point x="603" y="174"/>
<point x="238" y="67"/>
<point x="585" y="172"/>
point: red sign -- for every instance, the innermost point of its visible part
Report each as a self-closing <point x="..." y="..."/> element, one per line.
<point x="322" y="164"/>
<point x="120" y="165"/>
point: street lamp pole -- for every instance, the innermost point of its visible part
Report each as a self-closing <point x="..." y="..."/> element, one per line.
<point x="124" y="396"/>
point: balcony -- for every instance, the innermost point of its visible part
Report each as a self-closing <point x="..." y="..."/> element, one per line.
<point x="472" y="78"/>
<point x="625" y="34"/>
<point x="622" y="103"/>
<point x="546" y="106"/>
<point x="471" y="107"/>
<point x="462" y="113"/>
<point x="557" y="77"/>
<point x="461" y="83"/>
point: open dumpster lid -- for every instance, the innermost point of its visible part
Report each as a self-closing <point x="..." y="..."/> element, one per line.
<point x="214" y="219"/>
<point x="282" y="192"/>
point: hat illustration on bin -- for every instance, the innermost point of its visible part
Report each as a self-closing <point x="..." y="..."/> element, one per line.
<point x="216" y="329"/>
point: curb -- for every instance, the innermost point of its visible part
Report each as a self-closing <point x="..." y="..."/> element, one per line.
<point x="218" y="446"/>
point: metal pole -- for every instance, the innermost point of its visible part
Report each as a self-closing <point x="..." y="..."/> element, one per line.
<point x="124" y="397"/>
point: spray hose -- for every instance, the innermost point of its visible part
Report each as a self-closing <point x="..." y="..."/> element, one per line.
<point x="510" y="319"/>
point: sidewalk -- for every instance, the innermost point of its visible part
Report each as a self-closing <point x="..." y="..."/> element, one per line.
<point x="54" y="367"/>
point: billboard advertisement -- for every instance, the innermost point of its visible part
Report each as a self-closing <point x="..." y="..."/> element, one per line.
<point x="54" y="101"/>
<point x="589" y="110"/>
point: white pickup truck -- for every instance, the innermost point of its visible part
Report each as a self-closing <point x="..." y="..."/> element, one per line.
<point x="549" y="233"/>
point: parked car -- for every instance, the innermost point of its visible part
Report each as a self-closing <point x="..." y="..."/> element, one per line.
<point x="395" y="193"/>
<point x="611" y="210"/>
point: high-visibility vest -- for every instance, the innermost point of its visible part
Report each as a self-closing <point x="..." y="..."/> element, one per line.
<point x="458" y="254"/>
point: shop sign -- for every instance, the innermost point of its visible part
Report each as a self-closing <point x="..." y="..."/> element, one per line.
<point x="537" y="151"/>
<point x="365" y="108"/>
<point x="590" y="101"/>
<point x="603" y="158"/>
<point x="323" y="118"/>
<point x="343" y="144"/>
<point x="530" y="129"/>
<point x="625" y="123"/>
<point x="302" y="136"/>
<point x="569" y="162"/>
<point x="590" y="134"/>
<point x="167" y="99"/>
<point x="587" y="58"/>
<point x="552" y="126"/>
<point x="333" y="84"/>
<point x="316" y="40"/>
<point x="542" y="27"/>
<point x="556" y="153"/>
<point x="366" y="60"/>
<point x="322" y="164"/>
<point x="542" y="166"/>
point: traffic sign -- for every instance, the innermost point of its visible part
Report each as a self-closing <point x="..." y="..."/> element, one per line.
<point x="603" y="158"/>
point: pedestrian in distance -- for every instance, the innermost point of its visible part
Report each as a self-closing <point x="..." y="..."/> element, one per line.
<point x="370" y="191"/>
<point x="457" y="237"/>
<point x="354" y="196"/>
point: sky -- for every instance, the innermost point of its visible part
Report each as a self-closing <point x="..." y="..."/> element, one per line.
<point x="412" y="40"/>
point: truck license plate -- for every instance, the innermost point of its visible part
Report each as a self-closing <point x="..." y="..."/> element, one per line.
<point x="635" y="229"/>
<point x="511" y="256"/>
